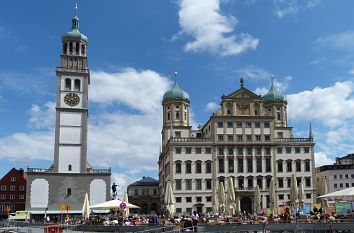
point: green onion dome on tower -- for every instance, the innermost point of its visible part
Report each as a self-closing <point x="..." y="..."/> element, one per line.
<point x="74" y="34"/>
<point x="273" y="95"/>
<point x="176" y="93"/>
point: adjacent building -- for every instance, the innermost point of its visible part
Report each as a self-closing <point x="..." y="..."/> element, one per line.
<point x="12" y="192"/>
<point x="64" y="184"/>
<point x="145" y="194"/>
<point x="247" y="138"/>
<point x="339" y="175"/>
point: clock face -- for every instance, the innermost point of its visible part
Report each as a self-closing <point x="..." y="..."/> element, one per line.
<point x="72" y="99"/>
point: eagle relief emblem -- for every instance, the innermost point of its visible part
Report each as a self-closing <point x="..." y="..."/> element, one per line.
<point x="243" y="108"/>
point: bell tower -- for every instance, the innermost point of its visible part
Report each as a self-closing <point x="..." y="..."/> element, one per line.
<point x="73" y="78"/>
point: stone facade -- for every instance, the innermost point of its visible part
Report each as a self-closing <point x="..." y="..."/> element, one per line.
<point x="247" y="138"/>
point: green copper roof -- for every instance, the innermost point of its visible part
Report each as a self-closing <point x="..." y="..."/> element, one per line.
<point x="176" y="93"/>
<point x="273" y="95"/>
<point x="74" y="34"/>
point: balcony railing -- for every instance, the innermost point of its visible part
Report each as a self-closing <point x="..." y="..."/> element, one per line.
<point x="31" y="169"/>
<point x="50" y="170"/>
<point x="73" y="69"/>
<point x="174" y="139"/>
<point x="293" y="139"/>
<point x="102" y="170"/>
<point x="245" y="188"/>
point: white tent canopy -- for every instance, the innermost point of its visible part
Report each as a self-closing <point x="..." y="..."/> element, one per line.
<point x="113" y="204"/>
<point x="349" y="192"/>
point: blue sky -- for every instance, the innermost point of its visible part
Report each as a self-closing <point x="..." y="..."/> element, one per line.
<point x="135" y="46"/>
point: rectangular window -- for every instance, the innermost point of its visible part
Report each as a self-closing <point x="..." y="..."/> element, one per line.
<point x="335" y="177"/>
<point x="297" y="150"/>
<point x="289" y="165"/>
<point x="249" y="138"/>
<point x="188" y="150"/>
<point x="258" y="151"/>
<point x="136" y="192"/>
<point x="288" y="181"/>
<point x="307" y="165"/>
<point x="346" y="176"/>
<point x="198" y="199"/>
<point x="267" y="151"/>
<point x="239" y="124"/>
<point x="268" y="182"/>
<point x="240" y="183"/>
<point x="220" y="124"/>
<point x="280" y="165"/>
<point x="12" y="188"/>
<point x="198" y="167"/>
<point x="239" y="138"/>
<point x="347" y="185"/>
<point x="281" y="196"/>
<point x="221" y="165"/>
<point x="257" y="125"/>
<point x="249" y="151"/>
<point x="266" y="137"/>
<point x="198" y="150"/>
<point x="188" y="199"/>
<point x="207" y="150"/>
<point x="306" y="150"/>
<point x="298" y="165"/>
<point x="288" y="150"/>
<point x="178" y="199"/>
<point x="12" y="197"/>
<point x="188" y="184"/>
<point x="266" y="124"/>
<point x="3" y="188"/>
<point x="178" y="150"/>
<point x="268" y="164"/>
<point x="335" y="186"/>
<point x="260" y="182"/>
<point x="178" y="184"/>
<point x="3" y="196"/>
<point x="279" y="150"/>
<point x="248" y="125"/>
<point x="280" y="183"/>
<point x="250" y="182"/>
<point x="341" y="185"/>
<point x="177" y="134"/>
<point x="188" y="167"/>
<point x="308" y="195"/>
<point x="208" y="198"/>
<point x="220" y="137"/>
<point x="259" y="164"/>
<point x="208" y="167"/>
<point x="229" y="124"/>
<point x="21" y="197"/>
<point x="239" y="151"/>
<point x="221" y="151"/>
<point x="249" y="165"/>
<point x="208" y="184"/>
<point x="308" y="181"/>
<point x="258" y="138"/>
<point x="240" y="164"/>
<point x="230" y="137"/>
<point x="198" y="184"/>
<point x="178" y="168"/>
<point x="231" y="165"/>
<point x="13" y="178"/>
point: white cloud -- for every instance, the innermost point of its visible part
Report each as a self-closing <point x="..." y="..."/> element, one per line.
<point x="141" y="90"/>
<point x="123" y="180"/>
<point x="40" y="118"/>
<point x="331" y="105"/>
<point x="211" y="106"/>
<point x="211" y="30"/>
<point x="254" y="73"/>
<point x="261" y="90"/>
<point x="343" y="41"/>
<point x="292" y="7"/>
<point x="322" y="159"/>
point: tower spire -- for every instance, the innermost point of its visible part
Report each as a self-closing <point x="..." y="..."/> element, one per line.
<point x="75" y="19"/>
<point x="175" y="76"/>
<point x="75" y="9"/>
<point x="272" y="79"/>
<point x="241" y="82"/>
<point x="310" y="132"/>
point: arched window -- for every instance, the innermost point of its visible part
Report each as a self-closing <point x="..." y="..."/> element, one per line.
<point x="77" y="48"/>
<point x="71" y="47"/>
<point x="65" y="45"/>
<point x="68" y="84"/>
<point x="68" y="192"/>
<point x="77" y="85"/>
<point x="69" y="167"/>
<point x="83" y="49"/>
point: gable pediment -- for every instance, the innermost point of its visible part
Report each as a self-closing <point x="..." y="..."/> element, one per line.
<point x="242" y="93"/>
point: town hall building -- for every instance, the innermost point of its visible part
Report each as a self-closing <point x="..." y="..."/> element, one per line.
<point x="247" y="138"/>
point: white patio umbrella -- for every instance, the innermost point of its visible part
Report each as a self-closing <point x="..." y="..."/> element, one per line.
<point x="86" y="208"/>
<point x="349" y="192"/>
<point x="221" y="197"/>
<point x="231" y="196"/>
<point x="126" y="200"/>
<point x="294" y="193"/>
<point x="114" y="204"/>
<point x="169" y="199"/>
<point x="215" y="200"/>
<point x="257" y="200"/>
<point x="272" y="196"/>
<point x="301" y="196"/>
<point x="324" y="191"/>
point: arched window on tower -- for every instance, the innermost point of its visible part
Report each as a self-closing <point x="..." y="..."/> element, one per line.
<point x="71" y="47"/>
<point x="77" y="48"/>
<point x="177" y="115"/>
<point x="68" y="84"/>
<point x="77" y="85"/>
<point x="68" y="192"/>
<point x="69" y="167"/>
<point x="83" y="49"/>
<point x="65" y="46"/>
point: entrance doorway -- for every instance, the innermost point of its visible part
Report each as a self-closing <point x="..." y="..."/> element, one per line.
<point x="246" y="205"/>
